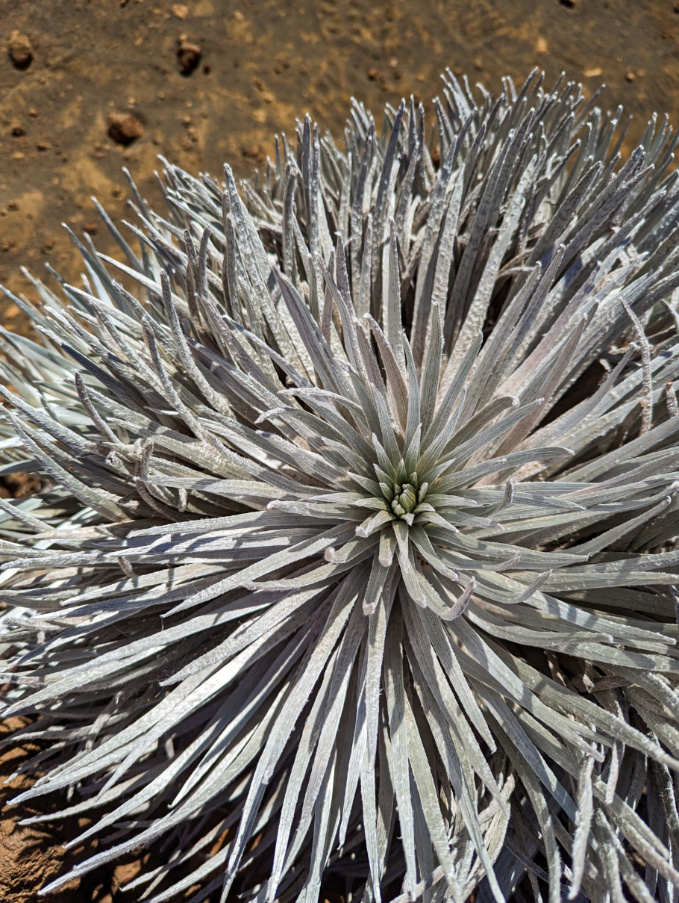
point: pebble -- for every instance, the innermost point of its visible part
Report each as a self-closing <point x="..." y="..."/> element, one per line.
<point x="20" y="50"/>
<point x="188" y="55"/>
<point x="124" y="128"/>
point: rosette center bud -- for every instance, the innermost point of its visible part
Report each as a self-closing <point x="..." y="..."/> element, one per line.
<point x="405" y="499"/>
<point x="405" y="496"/>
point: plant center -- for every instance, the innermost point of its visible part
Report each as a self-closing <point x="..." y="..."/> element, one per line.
<point x="405" y="499"/>
<point x="404" y="494"/>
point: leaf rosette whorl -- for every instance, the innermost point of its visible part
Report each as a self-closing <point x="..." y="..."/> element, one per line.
<point x="356" y="554"/>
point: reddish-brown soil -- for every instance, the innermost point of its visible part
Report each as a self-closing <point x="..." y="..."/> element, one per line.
<point x="116" y="84"/>
<point x="90" y="86"/>
<point x="30" y="855"/>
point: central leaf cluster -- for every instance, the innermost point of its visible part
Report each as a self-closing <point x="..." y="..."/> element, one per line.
<point x="404" y="494"/>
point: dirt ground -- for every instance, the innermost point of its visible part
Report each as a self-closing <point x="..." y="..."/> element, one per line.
<point x="90" y="86"/>
<point x="212" y="80"/>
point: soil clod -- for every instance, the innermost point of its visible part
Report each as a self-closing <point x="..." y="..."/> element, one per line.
<point x="124" y="128"/>
<point x="20" y="50"/>
<point x="189" y="55"/>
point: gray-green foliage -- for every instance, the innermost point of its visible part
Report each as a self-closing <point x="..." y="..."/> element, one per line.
<point x="357" y="543"/>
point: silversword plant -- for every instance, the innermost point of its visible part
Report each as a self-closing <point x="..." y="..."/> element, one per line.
<point x="355" y="560"/>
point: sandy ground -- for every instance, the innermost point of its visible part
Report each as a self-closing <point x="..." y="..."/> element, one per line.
<point x="90" y="86"/>
<point x="212" y="80"/>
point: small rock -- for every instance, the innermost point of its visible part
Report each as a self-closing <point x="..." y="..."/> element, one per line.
<point x="541" y="45"/>
<point x="20" y="50"/>
<point x="180" y="10"/>
<point x="124" y="128"/>
<point x="188" y="55"/>
<point x="594" y="72"/>
<point x="631" y="75"/>
<point x="18" y="131"/>
<point x="254" y="153"/>
<point x="373" y="74"/>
